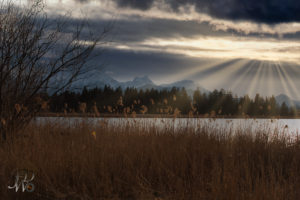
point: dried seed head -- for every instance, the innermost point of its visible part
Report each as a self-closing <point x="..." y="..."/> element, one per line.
<point x="18" y="108"/>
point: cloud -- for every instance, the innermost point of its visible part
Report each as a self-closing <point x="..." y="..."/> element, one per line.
<point x="147" y="31"/>
<point x="159" y="13"/>
<point x="217" y="47"/>
<point x="266" y="11"/>
<point x="140" y="4"/>
<point x="262" y="11"/>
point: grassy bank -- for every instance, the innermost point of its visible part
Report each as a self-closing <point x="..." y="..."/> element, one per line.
<point x="138" y="162"/>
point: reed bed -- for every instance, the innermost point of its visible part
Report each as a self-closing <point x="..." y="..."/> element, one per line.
<point x="130" y="161"/>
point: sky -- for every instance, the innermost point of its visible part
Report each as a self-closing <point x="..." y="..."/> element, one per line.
<point x="245" y="46"/>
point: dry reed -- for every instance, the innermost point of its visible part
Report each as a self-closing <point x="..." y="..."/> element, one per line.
<point x="135" y="161"/>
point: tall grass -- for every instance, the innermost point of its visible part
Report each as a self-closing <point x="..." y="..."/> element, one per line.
<point x="131" y="161"/>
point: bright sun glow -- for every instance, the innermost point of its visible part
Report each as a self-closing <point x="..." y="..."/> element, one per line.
<point x="231" y="48"/>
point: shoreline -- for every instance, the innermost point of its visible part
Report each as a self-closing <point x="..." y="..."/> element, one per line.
<point x="91" y="115"/>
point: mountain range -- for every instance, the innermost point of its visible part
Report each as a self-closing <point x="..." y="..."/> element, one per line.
<point x="282" y="98"/>
<point x="99" y="79"/>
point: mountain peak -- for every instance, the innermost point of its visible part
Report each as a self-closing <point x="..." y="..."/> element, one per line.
<point x="283" y="98"/>
<point x="140" y="81"/>
<point x="144" y="79"/>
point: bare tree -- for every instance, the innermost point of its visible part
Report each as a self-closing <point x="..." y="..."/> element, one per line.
<point x="38" y="53"/>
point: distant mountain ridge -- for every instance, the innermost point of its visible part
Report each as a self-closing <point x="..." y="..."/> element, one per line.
<point x="282" y="98"/>
<point x="100" y="79"/>
<point x="138" y="82"/>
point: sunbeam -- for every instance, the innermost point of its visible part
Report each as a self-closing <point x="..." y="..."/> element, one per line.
<point x="290" y="80"/>
<point x="254" y="82"/>
<point x="282" y="80"/>
<point x="261" y="82"/>
<point x="187" y="73"/>
<point x="225" y="75"/>
<point x="213" y="74"/>
<point x="240" y="76"/>
<point x="269" y="79"/>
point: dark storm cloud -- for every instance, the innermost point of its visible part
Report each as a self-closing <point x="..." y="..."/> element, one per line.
<point x="129" y="30"/>
<point x="267" y="11"/>
<point x="140" y="4"/>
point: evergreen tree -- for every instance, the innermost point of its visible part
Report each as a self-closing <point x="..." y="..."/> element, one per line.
<point x="284" y="110"/>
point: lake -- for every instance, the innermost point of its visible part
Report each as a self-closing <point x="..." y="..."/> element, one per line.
<point x="291" y="126"/>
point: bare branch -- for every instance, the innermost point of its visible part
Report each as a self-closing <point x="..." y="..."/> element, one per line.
<point x="35" y="52"/>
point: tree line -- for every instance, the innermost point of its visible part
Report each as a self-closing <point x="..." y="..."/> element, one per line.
<point x="173" y="101"/>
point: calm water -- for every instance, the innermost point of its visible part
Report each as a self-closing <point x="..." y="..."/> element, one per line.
<point x="291" y="126"/>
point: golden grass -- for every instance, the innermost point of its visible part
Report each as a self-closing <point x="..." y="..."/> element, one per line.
<point x="131" y="161"/>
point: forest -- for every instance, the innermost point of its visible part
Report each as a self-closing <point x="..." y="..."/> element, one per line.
<point x="175" y="101"/>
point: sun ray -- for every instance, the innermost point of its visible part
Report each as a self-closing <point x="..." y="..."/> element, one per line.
<point x="214" y="75"/>
<point x="231" y="73"/>
<point x="290" y="81"/>
<point x="282" y="80"/>
<point x="240" y="64"/>
<point x="196" y="70"/>
<point x="216" y="105"/>
<point x="241" y="77"/>
<point x="290" y="84"/>
<point x="269" y="79"/>
<point x="253" y="83"/>
<point x="261" y="78"/>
